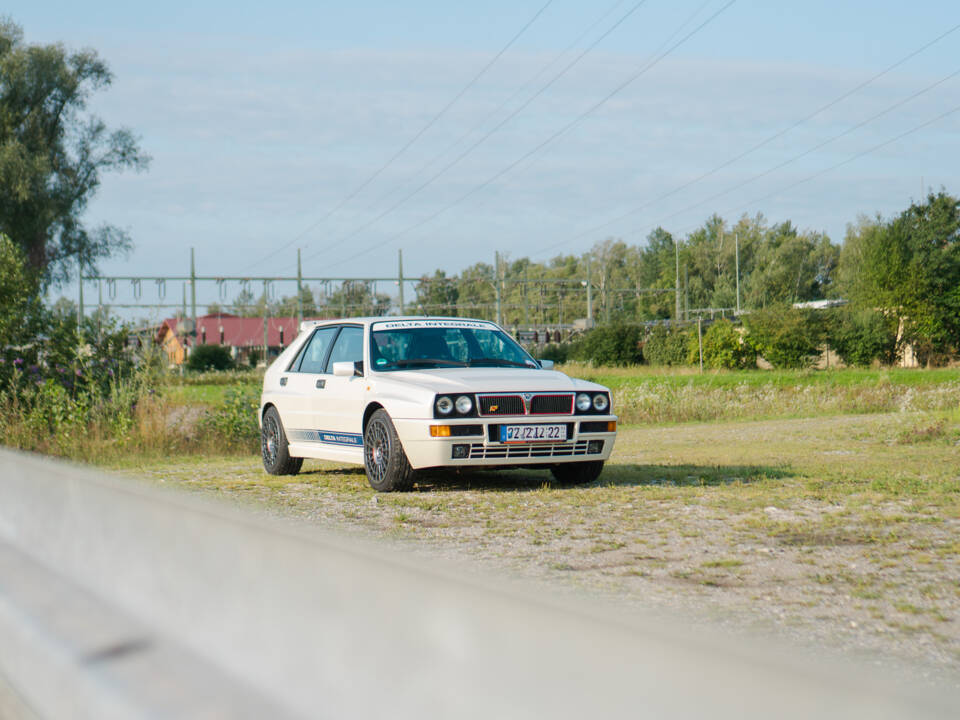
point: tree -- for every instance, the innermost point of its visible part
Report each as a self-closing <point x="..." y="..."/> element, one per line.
<point x="910" y="267"/>
<point x="16" y="293"/>
<point x="437" y="295"/>
<point x="52" y="154"/>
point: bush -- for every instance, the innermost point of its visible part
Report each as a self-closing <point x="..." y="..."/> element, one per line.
<point x="553" y="351"/>
<point x="234" y="422"/>
<point x="210" y="357"/>
<point x="610" y="345"/>
<point x="786" y="337"/>
<point x="861" y="336"/>
<point x="724" y="347"/>
<point x="667" y="346"/>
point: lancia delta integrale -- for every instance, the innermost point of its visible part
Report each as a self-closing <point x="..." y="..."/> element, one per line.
<point x="401" y="395"/>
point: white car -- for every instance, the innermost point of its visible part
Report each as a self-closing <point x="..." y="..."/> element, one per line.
<point x="398" y="395"/>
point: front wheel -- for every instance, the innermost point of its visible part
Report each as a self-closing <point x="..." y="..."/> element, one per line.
<point x="577" y="473"/>
<point x="383" y="457"/>
<point x="274" y="447"/>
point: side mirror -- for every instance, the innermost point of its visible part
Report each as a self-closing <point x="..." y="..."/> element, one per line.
<point x="546" y="364"/>
<point x="348" y="369"/>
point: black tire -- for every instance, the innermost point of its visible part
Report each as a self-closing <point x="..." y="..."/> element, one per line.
<point x="274" y="448"/>
<point x="577" y="473"/>
<point x="383" y="457"/>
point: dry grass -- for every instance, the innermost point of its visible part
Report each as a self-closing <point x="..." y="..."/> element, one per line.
<point x="845" y="527"/>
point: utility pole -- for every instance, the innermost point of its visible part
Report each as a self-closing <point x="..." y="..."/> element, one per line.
<point x="526" y="300"/>
<point x="299" y="291"/>
<point x="686" y="292"/>
<point x="266" y="304"/>
<point x="193" y="297"/>
<point x="736" y="238"/>
<point x="496" y="286"/>
<point x="400" y="278"/>
<point x="589" y="295"/>
<point x="676" y="245"/>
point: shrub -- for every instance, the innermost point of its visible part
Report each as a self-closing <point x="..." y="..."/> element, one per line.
<point x="234" y="422"/>
<point x="724" y="347"/>
<point x="786" y="337"/>
<point x="861" y="336"/>
<point x="667" y="346"/>
<point x="554" y="351"/>
<point x="210" y="357"/>
<point x="611" y="345"/>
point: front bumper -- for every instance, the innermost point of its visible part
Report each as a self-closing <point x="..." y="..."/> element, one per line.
<point x="483" y="449"/>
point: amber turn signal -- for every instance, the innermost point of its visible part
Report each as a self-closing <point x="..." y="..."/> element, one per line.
<point x="442" y="430"/>
<point x="612" y="426"/>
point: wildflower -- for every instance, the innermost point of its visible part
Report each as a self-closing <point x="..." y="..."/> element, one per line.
<point x="18" y="362"/>
<point x="34" y="368"/>
<point x="79" y="372"/>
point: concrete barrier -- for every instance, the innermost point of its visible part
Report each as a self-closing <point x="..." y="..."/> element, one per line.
<point x="123" y="600"/>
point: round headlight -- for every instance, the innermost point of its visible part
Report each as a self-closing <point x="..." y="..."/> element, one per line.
<point x="600" y="402"/>
<point x="464" y="404"/>
<point x="444" y="405"/>
<point x="583" y="402"/>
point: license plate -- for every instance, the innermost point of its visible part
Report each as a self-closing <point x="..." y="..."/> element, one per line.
<point x="533" y="433"/>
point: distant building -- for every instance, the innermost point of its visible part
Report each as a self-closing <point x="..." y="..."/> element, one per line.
<point x="243" y="335"/>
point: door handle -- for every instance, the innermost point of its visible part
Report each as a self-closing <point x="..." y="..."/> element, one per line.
<point x="321" y="384"/>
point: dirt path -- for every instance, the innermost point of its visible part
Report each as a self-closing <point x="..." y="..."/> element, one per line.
<point x="841" y="531"/>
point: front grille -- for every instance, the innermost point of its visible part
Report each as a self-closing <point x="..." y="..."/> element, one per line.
<point x="501" y="405"/>
<point x="551" y="405"/>
<point x="478" y="451"/>
<point x="538" y="404"/>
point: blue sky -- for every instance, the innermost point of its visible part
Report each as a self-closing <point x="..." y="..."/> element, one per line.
<point x="263" y="118"/>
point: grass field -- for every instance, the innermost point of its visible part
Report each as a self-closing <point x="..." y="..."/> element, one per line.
<point x="842" y="529"/>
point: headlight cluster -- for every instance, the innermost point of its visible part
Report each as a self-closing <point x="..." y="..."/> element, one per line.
<point x="592" y="403"/>
<point x="445" y="405"/>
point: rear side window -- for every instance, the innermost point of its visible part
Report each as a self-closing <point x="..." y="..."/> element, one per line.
<point x="349" y="346"/>
<point x="313" y="355"/>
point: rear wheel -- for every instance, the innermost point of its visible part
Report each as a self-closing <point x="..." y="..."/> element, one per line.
<point x="577" y="473"/>
<point x="383" y="457"/>
<point x="274" y="447"/>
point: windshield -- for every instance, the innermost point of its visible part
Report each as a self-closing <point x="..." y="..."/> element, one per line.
<point x="402" y="345"/>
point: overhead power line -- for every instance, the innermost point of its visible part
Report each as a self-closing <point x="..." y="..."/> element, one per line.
<point x="819" y="146"/>
<point x="483" y="137"/>
<point x="852" y="158"/>
<point x="766" y="141"/>
<point x="443" y="111"/>
<point x="494" y="113"/>
<point x="593" y="108"/>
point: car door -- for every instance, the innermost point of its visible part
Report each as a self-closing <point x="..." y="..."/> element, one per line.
<point x="343" y="404"/>
<point x="305" y="383"/>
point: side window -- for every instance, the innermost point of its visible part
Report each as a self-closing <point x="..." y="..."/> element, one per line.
<point x="315" y="352"/>
<point x="349" y="346"/>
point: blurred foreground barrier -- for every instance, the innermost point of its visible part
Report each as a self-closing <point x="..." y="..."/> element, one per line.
<point x="122" y="600"/>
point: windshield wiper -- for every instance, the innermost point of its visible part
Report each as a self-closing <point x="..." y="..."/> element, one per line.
<point x="427" y="361"/>
<point x="501" y="361"/>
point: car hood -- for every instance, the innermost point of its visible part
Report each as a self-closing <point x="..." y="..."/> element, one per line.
<point x="453" y="380"/>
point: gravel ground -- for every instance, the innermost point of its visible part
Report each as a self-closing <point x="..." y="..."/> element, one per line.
<point x="839" y="533"/>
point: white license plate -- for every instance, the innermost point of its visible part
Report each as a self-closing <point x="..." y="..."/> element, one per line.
<point x="533" y="433"/>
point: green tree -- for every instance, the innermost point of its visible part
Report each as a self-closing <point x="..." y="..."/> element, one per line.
<point x="52" y="155"/>
<point x="910" y="267"/>
<point x="16" y="294"/>
<point x="437" y="295"/>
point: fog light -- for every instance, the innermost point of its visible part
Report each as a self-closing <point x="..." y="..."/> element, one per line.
<point x="439" y="431"/>
<point x="461" y="451"/>
<point x="595" y="447"/>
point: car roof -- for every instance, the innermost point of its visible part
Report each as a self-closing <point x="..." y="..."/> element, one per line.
<point x="368" y="320"/>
